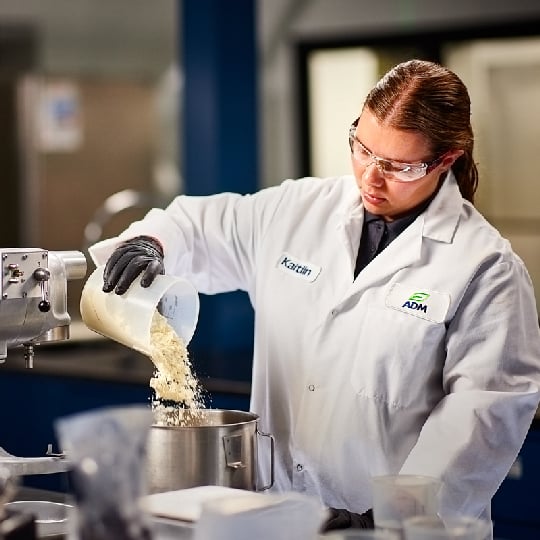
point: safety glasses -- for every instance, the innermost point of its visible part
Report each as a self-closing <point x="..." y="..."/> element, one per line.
<point x="397" y="171"/>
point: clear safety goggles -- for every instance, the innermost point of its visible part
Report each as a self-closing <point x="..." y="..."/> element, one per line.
<point x="398" y="171"/>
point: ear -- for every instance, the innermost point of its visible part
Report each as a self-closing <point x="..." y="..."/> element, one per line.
<point x="449" y="158"/>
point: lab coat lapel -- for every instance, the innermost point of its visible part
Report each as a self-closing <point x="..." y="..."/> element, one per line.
<point x="349" y="226"/>
<point x="442" y="215"/>
<point x="438" y="222"/>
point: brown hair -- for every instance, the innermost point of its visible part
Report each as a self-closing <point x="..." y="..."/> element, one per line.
<point x="423" y="96"/>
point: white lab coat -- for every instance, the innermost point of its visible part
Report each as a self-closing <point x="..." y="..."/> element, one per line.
<point x="427" y="363"/>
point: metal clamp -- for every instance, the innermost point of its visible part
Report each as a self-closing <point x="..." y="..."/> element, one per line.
<point x="233" y="451"/>
<point x="50" y="452"/>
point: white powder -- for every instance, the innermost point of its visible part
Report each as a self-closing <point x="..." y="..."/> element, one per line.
<point x="173" y="380"/>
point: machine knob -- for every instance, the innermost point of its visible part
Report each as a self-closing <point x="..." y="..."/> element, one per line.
<point x="41" y="274"/>
<point x="44" y="306"/>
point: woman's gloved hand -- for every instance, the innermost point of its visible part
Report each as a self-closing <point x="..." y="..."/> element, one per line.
<point x="129" y="259"/>
<point x="343" y="519"/>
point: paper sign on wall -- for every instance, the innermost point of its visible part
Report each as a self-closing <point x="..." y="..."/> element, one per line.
<point x="59" y="117"/>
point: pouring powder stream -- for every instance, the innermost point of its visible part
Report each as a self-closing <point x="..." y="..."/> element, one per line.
<point x="173" y="380"/>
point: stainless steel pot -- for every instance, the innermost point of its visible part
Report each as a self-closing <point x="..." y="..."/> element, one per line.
<point x="210" y="447"/>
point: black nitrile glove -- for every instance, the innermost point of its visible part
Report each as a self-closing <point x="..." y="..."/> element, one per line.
<point x="343" y="519"/>
<point x="129" y="259"/>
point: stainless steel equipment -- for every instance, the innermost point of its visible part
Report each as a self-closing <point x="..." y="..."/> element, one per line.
<point x="33" y="310"/>
<point x="33" y="297"/>
<point x="115" y="204"/>
<point x="213" y="447"/>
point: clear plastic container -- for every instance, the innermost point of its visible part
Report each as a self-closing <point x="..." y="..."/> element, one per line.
<point x="398" y="497"/>
<point x="106" y="448"/>
<point x="127" y="318"/>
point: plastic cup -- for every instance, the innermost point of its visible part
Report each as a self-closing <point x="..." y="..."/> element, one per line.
<point x="457" y="528"/>
<point x="398" y="497"/>
<point x="127" y="318"/>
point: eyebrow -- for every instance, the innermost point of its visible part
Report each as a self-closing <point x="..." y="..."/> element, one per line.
<point x="417" y="162"/>
<point x="385" y="158"/>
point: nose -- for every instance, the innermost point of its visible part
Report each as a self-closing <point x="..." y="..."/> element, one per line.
<point x="373" y="175"/>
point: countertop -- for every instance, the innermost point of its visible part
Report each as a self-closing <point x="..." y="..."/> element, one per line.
<point x="87" y="355"/>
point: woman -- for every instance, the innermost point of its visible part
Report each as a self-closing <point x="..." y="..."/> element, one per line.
<point x="395" y="329"/>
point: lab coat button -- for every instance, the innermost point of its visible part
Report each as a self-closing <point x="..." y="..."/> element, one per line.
<point x="311" y="388"/>
<point x="299" y="467"/>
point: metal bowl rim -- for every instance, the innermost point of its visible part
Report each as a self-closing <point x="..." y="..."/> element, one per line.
<point x="254" y="418"/>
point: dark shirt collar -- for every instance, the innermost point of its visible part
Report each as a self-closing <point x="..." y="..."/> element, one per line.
<point x="395" y="227"/>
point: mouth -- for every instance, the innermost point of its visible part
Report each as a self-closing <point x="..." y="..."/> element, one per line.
<point x="372" y="199"/>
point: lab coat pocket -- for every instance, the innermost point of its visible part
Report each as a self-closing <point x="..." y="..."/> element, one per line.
<point x="399" y="357"/>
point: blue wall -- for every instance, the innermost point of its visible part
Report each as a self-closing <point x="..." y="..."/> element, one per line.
<point x="220" y="153"/>
<point x="219" y="135"/>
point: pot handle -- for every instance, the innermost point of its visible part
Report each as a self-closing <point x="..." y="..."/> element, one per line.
<point x="272" y="445"/>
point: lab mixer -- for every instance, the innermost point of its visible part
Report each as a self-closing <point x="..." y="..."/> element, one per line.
<point x="33" y="310"/>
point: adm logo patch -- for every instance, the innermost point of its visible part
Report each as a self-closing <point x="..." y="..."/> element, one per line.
<point x="419" y="302"/>
<point x="415" y="301"/>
